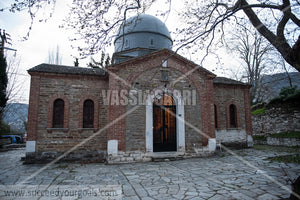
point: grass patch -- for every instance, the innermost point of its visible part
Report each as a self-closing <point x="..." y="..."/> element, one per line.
<point x="259" y="137"/>
<point x="62" y="166"/>
<point x="258" y="111"/>
<point x="286" y="135"/>
<point x="286" y="159"/>
<point x="262" y="147"/>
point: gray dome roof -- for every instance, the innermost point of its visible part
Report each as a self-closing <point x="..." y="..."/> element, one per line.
<point x="143" y="31"/>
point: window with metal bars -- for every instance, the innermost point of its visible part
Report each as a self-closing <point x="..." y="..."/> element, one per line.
<point x="58" y="113"/>
<point x="88" y="114"/>
<point x="216" y="116"/>
<point x="233" y="116"/>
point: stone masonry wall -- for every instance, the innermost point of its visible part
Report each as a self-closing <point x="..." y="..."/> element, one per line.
<point x="282" y="117"/>
<point x="283" y="141"/>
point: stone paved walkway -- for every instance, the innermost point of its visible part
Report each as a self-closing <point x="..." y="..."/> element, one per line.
<point x="245" y="175"/>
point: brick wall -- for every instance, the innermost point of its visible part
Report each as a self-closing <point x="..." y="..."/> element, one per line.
<point x="73" y="89"/>
<point x="145" y="74"/>
<point x="33" y="107"/>
<point x="224" y="96"/>
<point x="127" y="123"/>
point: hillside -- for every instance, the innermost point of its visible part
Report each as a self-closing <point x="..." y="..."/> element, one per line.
<point x="272" y="84"/>
<point x="15" y="114"/>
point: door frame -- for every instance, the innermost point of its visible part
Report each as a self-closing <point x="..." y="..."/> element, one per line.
<point x="180" y="126"/>
<point x="167" y="146"/>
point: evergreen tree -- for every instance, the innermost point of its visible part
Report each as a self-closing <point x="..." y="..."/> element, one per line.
<point x="107" y="61"/>
<point x="3" y="83"/>
<point x="3" y="77"/>
<point x="76" y="62"/>
<point x="104" y="61"/>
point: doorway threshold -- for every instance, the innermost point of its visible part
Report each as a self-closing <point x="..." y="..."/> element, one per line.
<point x="167" y="156"/>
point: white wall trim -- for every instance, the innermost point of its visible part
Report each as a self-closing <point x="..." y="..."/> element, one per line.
<point x="112" y="147"/>
<point x="30" y="146"/>
<point x="212" y="144"/>
<point x="249" y="141"/>
<point x="180" y="126"/>
<point x="233" y="135"/>
<point x="149" y="124"/>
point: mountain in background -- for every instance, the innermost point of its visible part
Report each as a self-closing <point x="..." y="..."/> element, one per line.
<point x="15" y="114"/>
<point x="272" y="84"/>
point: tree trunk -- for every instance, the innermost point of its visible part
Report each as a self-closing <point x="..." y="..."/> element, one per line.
<point x="290" y="55"/>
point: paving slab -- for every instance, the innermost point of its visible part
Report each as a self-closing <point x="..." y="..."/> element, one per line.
<point x="235" y="174"/>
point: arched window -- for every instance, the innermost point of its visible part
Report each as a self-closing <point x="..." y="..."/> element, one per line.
<point x="126" y="44"/>
<point x="232" y="116"/>
<point x="58" y="113"/>
<point x="88" y="114"/>
<point x="216" y="116"/>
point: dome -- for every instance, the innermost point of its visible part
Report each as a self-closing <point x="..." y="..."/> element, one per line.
<point x="142" y="31"/>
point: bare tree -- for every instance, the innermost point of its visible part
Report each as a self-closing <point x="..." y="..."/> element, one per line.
<point x="96" y="21"/>
<point x="280" y="63"/>
<point x="276" y="21"/>
<point x="9" y="84"/>
<point x="254" y="52"/>
<point x="15" y="82"/>
<point x="55" y="56"/>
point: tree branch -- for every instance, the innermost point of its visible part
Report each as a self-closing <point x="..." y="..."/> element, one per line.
<point x="286" y="16"/>
<point x="263" y="5"/>
<point x="295" y="19"/>
<point x="282" y="46"/>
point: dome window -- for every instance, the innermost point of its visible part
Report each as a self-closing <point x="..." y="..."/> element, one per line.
<point x="151" y="43"/>
<point x="126" y="44"/>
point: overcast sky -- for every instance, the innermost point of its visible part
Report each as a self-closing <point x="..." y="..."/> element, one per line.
<point x="45" y="37"/>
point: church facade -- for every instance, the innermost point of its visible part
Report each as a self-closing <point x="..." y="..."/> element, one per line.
<point x="150" y="103"/>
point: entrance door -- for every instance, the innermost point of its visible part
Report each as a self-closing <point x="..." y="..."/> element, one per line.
<point x="164" y="124"/>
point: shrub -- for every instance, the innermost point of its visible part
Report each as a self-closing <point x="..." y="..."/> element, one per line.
<point x="259" y="137"/>
<point x="286" y="93"/>
<point x="4" y="128"/>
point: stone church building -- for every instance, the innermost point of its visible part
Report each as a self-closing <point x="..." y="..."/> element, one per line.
<point x="150" y="103"/>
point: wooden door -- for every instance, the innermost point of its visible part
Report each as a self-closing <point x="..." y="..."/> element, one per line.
<point x="164" y="125"/>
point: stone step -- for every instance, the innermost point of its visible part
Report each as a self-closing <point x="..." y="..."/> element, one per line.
<point x="166" y="159"/>
<point x="166" y="156"/>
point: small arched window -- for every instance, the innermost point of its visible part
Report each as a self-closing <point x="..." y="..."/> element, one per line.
<point x="151" y="42"/>
<point x="232" y="116"/>
<point x="58" y="113"/>
<point x="216" y="116"/>
<point x="126" y="44"/>
<point x="88" y="114"/>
